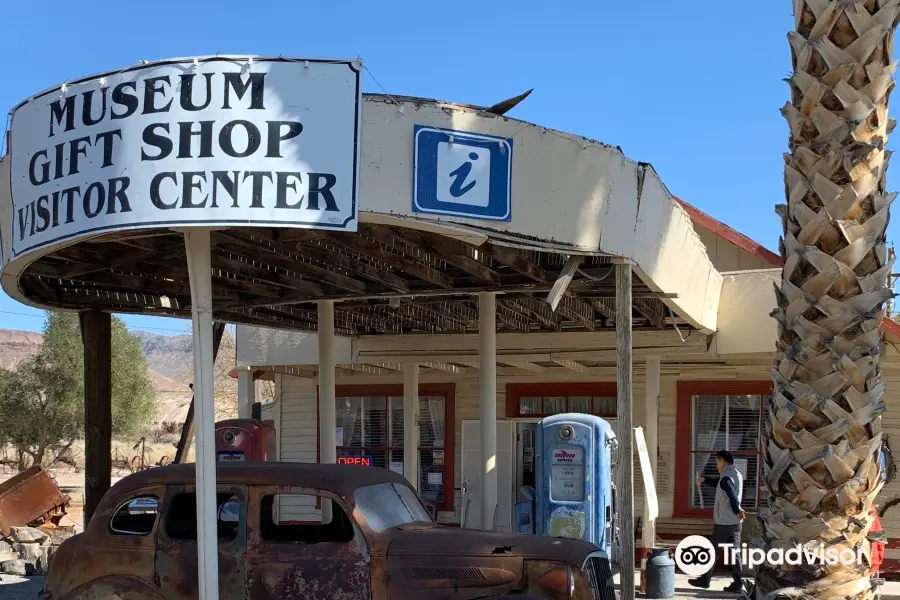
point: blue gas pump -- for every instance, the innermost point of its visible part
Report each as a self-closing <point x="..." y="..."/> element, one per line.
<point x="574" y="493"/>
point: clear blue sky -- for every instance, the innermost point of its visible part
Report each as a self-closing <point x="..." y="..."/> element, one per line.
<point x="693" y="88"/>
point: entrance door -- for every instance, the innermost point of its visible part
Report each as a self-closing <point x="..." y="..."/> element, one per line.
<point x="525" y="451"/>
<point x="471" y="473"/>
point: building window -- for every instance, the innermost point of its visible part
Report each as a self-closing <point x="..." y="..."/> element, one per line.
<point x="536" y="400"/>
<point x="369" y="424"/>
<point x="715" y="416"/>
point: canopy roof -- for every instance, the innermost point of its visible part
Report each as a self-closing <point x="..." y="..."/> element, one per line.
<point x="404" y="271"/>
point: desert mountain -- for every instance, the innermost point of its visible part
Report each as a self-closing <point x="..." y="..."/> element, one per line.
<point x="170" y="366"/>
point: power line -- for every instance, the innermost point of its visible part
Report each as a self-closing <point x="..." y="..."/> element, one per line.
<point x="20" y="314"/>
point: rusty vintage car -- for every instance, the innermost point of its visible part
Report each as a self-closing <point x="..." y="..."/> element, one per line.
<point x="379" y="544"/>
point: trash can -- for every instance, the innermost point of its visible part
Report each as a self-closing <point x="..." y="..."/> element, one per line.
<point x="660" y="574"/>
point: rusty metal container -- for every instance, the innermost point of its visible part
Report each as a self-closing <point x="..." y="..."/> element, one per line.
<point x="28" y="498"/>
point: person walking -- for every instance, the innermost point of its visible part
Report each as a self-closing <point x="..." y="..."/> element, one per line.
<point x="727" y="517"/>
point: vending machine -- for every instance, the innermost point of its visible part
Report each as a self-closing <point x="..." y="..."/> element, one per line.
<point x="574" y="492"/>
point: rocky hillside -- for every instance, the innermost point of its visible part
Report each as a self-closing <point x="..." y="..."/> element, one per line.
<point x="16" y="346"/>
<point x="170" y="365"/>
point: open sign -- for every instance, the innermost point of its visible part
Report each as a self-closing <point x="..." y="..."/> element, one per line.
<point x="365" y="461"/>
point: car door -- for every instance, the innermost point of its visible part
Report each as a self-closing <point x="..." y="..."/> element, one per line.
<point x="292" y="555"/>
<point x="176" y="554"/>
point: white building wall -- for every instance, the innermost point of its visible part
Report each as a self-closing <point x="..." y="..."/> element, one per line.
<point x="298" y="439"/>
<point x="299" y="421"/>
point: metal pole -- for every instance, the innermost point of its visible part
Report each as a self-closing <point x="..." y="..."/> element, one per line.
<point x="411" y="423"/>
<point x="327" y="400"/>
<point x="625" y="497"/>
<point x="487" y="354"/>
<point x="196" y="241"/>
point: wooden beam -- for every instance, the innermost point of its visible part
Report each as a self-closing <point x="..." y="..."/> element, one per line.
<point x="441" y="366"/>
<point x="364" y="368"/>
<point x="450" y="251"/>
<point x="269" y="274"/>
<point x="562" y="282"/>
<point x="461" y="310"/>
<point x="288" y="260"/>
<point x="512" y="318"/>
<point x="375" y="249"/>
<point x="605" y="307"/>
<point x="517" y="262"/>
<point x="577" y="311"/>
<point x="525" y="366"/>
<point x="358" y="264"/>
<point x="569" y="364"/>
<point x="96" y="336"/>
<point x="187" y="430"/>
<point x="444" y="310"/>
<point x="540" y="311"/>
<point x="653" y="310"/>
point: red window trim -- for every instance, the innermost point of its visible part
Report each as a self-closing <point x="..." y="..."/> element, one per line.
<point x="683" y="416"/>
<point x="447" y="390"/>
<point x="516" y="391"/>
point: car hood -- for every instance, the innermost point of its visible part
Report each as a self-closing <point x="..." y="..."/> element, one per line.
<point x="433" y="539"/>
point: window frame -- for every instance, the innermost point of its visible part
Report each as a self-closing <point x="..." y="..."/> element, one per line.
<point x="131" y="535"/>
<point x="516" y="391"/>
<point x="447" y="390"/>
<point x="684" y="426"/>
<point x="164" y="540"/>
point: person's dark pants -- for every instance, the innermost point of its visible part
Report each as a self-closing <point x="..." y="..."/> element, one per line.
<point x="726" y="534"/>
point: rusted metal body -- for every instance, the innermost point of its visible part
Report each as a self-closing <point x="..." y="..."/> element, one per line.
<point x="30" y="498"/>
<point x="360" y="555"/>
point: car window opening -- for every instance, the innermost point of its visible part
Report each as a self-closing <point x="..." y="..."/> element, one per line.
<point x="338" y="530"/>
<point x="135" y="517"/>
<point x="181" y="523"/>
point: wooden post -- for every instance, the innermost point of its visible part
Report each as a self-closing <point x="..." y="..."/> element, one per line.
<point x="327" y="399"/>
<point x="651" y="433"/>
<point x="625" y="468"/>
<point x="187" y="430"/>
<point x="411" y="423"/>
<point x="96" y="337"/>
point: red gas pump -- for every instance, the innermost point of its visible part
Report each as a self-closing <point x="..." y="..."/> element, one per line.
<point x="245" y="440"/>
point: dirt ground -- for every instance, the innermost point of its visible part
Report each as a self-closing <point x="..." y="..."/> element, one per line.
<point x="70" y="479"/>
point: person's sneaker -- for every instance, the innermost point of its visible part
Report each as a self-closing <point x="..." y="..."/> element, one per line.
<point x="699" y="583"/>
<point x="734" y="588"/>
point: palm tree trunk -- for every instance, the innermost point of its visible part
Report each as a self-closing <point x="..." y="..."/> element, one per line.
<point x="823" y="426"/>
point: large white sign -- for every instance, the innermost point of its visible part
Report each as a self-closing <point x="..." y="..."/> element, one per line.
<point x="215" y="141"/>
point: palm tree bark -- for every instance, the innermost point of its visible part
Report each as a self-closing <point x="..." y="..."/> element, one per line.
<point x="823" y="425"/>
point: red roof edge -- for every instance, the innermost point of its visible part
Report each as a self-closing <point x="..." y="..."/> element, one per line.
<point x="735" y="237"/>
<point x="742" y="241"/>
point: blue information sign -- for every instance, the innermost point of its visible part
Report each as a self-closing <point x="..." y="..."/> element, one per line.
<point x="462" y="174"/>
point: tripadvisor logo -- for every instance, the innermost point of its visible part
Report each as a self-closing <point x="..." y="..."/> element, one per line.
<point x="695" y="555"/>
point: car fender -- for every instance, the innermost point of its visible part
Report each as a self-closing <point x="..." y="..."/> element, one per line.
<point x="116" y="587"/>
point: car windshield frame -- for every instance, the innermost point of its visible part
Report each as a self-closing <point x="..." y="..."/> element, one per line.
<point x="387" y="505"/>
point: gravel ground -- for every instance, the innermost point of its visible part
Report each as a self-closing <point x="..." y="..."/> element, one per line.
<point x="20" y="588"/>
